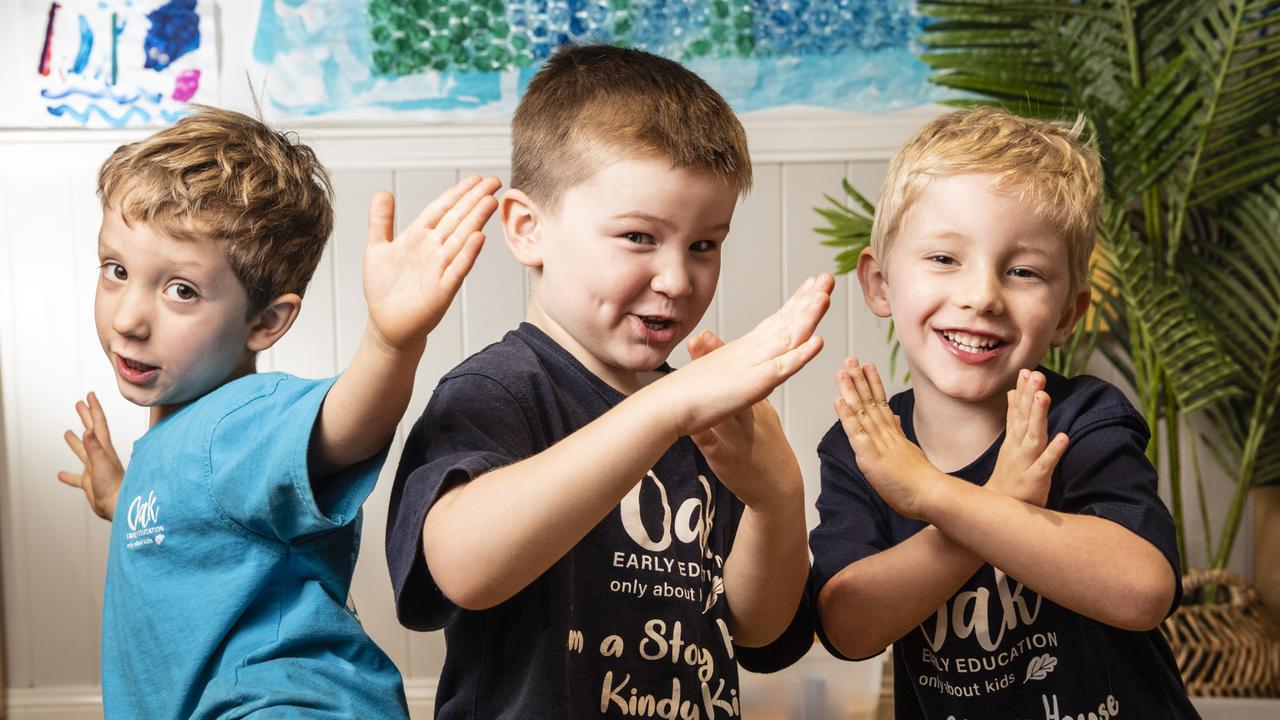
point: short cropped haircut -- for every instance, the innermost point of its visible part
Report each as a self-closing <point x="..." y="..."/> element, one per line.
<point x="1045" y="164"/>
<point x="591" y="104"/>
<point x="224" y="176"/>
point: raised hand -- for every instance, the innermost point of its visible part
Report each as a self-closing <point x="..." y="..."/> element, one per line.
<point x="735" y="376"/>
<point x="896" y="467"/>
<point x="102" y="474"/>
<point x="1024" y="467"/>
<point x="410" y="280"/>
<point x="747" y="450"/>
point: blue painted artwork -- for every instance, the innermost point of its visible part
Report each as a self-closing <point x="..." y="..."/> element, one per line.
<point x="474" y="57"/>
<point x="118" y="63"/>
<point x="174" y="32"/>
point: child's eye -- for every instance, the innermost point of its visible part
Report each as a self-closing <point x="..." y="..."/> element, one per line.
<point x="704" y="246"/>
<point x="114" y="271"/>
<point x="942" y="259"/>
<point x="1022" y="272"/>
<point x="180" y="292"/>
<point x="639" y="238"/>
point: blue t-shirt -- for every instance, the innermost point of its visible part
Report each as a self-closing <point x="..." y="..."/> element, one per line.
<point x="631" y="622"/>
<point x="996" y="649"/>
<point x="227" y="577"/>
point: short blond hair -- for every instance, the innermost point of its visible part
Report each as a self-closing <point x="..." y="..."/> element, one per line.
<point x="1045" y="164"/>
<point x="591" y="104"/>
<point x="221" y="175"/>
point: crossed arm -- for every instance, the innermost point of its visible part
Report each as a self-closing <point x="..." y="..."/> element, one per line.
<point x="1087" y="564"/>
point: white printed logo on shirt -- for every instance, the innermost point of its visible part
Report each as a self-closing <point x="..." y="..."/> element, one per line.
<point x="144" y="526"/>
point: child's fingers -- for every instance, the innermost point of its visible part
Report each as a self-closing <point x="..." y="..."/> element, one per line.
<point x="68" y="478"/>
<point x="382" y="217"/>
<point x="798" y="317"/>
<point x="77" y="447"/>
<point x="100" y="428"/>
<point x="472" y="224"/>
<point x="86" y="417"/>
<point x="1051" y="455"/>
<point x="431" y="214"/>
<point x="461" y="263"/>
<point x="1038" y="421"/>
<point x="850" y="421"/>
<point x="790" y="362"/>
<point x="98" y="457"/>
<point x="704" y="343"/>
<point x="481" y="194"/>
<point x="876" y="384"/>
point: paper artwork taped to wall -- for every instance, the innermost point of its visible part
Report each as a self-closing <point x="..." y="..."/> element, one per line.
<point x="117" y="63"/>
<point x="472" y="58"/>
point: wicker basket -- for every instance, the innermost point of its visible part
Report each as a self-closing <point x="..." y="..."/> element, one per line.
<point x="1227" y="649"/>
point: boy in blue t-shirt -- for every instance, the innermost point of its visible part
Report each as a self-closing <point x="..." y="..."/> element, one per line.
<point x="1015" y="576"/>
<point x="236" y="526"/>
<point x="599" y="535"/>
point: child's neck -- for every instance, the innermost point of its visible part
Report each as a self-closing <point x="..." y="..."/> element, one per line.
<point x="954" y="433"/>
<point x="160" y="412"/>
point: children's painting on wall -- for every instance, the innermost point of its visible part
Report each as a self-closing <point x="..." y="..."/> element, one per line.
<point x="116" y="63"/>
<point x="448" y="59"/>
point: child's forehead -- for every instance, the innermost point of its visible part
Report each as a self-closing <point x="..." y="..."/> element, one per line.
<point x="120" y="233"/>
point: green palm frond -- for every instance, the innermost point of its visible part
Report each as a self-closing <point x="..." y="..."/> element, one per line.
<point x="847" y="228"/>
<point x="1235" y="48"/>
<point x="1161" y="311"/>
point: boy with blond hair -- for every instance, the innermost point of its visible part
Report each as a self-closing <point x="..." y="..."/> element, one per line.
<point x="236" y="527"/>
<point x="601" y="536"/>
<point x="1016" y="576"/>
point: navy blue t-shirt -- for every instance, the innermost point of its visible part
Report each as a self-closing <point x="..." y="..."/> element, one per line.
<point x="997" y="650"/>
<point x="632" y="621"/>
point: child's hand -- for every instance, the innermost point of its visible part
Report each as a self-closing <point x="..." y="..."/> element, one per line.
<point x="733" y="377"/>
<point x="1025" y="465"/>
<point x="896" y="467"/>
<point x="100" y="480"/>
<point x="410" y="281"/>
<point x="747" y="450"/>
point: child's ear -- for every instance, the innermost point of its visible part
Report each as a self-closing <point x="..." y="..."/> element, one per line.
<point x="271" y="323"/>
<point x="1071" y="315"/>
<point x="520" y="227"/>
<point x="875" y="285"/>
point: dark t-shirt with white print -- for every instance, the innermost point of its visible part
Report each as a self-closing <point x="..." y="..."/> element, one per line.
<point x="633" y="621"/>
<point x="997" y="650"/>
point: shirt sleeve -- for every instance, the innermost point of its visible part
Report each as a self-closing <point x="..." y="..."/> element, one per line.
<point x="852" y="521"/>
<point x="472" y="425"/>
<point x="258" y="471"/>
<point x="1106" y="473"/>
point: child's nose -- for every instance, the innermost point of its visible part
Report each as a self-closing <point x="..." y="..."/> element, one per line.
<point x="982" y="294"/>
<point x="671" y="278"/>
<point x="132" y="314"/>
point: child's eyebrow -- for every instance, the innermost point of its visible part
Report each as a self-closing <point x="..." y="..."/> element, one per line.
<point x="661" y="221"/>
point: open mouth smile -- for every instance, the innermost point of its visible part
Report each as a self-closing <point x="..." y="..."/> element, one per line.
<point x="970" y="343"/>
<point x="134" y="371"/>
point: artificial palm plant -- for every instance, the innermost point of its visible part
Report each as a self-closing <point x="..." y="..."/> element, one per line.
<point x="1182" y="99"/>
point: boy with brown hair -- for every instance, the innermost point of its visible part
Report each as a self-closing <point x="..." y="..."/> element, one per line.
<point x="1017" y="577"/>
<point x="601" y="536"/>
<point x="236" y="528"/>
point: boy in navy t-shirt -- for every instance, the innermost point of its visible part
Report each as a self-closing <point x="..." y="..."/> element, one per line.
<point x="236" y="528"/>
<point x="1017" y="576"/>
<point x="601" y="536"/>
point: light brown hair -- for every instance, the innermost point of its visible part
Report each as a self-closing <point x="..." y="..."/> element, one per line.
<point x="223" y="176"/>
<point x="1045" y="164"/>
<point x="590" y="104"/>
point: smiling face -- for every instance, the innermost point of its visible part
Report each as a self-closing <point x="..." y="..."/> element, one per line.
<point x="978" y="287"/>
<point x="170" y="314"/>
<point x="627" y="264"/>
